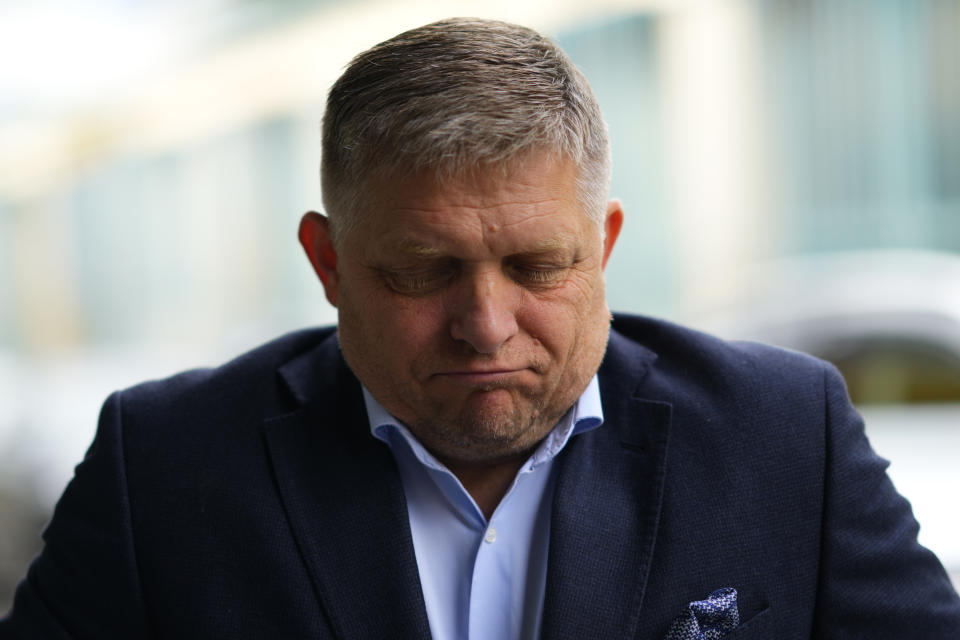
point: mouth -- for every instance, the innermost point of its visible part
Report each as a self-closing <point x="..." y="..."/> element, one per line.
<point x="480" y="377"/>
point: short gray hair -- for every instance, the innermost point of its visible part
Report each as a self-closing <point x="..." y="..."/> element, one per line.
<point x="454" y="97"/>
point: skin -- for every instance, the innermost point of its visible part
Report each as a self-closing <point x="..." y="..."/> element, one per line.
<point x="473" y="311"/>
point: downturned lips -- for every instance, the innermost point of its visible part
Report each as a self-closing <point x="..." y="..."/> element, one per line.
<point x="474" y="377"/>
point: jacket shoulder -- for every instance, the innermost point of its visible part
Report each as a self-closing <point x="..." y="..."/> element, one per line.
<point x="251" y="376"/>
<point x="686" y="354"/>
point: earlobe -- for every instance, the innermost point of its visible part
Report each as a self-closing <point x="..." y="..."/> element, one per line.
<point x="611" y="227"/>
<point x="315" y="238"/>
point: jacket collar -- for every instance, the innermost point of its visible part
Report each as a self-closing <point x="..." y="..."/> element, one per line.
<point x="607" y="506"/>
<point x="345" y="503"/>
<point x="608" y="495"/>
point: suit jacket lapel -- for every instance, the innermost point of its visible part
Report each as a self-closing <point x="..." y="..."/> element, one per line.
<point x="345" y="503"/>
<point x="607" y="506"/>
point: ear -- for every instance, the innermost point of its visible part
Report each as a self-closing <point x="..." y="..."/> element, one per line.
<point x="315" y="238"/>
<point x="611" y="227"/>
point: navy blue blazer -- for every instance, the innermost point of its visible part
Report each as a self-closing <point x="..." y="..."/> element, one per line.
<point x="251" y="501"/>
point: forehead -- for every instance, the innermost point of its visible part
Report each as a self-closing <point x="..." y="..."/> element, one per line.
<point x="533" y="202"/>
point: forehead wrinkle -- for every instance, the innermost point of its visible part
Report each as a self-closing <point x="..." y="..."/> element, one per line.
<point x="487" y="218"/>
<point x="528" y="218"/>
<point x="477" y="203"/>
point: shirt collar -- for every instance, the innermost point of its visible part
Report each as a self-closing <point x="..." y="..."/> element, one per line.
<point x="584" y="415"/>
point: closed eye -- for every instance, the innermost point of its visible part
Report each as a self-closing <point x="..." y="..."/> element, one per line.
<point x="539" y="275"/>
<point x="418" y="281"/>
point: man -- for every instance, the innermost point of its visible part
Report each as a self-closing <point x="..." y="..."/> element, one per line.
<point x="474" y="452"/>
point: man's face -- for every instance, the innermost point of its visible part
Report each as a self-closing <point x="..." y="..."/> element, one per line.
<point x="474" y="312"/>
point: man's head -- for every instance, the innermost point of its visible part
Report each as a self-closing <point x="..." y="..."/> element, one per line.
<point x="454" y="97"/>
<point x="466" y="255"/>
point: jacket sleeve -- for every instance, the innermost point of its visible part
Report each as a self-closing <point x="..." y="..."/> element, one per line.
<point x="84" y="584"/>
<point x="876" y="581"/>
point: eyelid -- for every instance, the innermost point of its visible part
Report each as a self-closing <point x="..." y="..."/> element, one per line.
<point x="418" y="279"/>
<point x="540" y="274"/>
<point x="422" y="277"/>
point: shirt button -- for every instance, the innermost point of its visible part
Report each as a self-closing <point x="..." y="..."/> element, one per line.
<point x="490" y="536"/>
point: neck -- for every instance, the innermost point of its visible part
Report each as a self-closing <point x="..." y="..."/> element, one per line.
<point x="487" y="483"/>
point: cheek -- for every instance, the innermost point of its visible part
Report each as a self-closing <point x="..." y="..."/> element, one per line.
<point x="560" y="318"/>
<point x="407" y="328"/>
<point x="552" y="324"/>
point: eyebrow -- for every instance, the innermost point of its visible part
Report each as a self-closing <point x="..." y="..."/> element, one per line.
<point x="412" y="247"/>
<point x="546" y="245"/>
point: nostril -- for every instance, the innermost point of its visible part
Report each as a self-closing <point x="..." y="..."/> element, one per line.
<point x="484" y="332"/>
<point x="483" y="309"/>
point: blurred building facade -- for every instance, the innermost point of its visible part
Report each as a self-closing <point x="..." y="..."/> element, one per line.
<point x="741" y="129"/>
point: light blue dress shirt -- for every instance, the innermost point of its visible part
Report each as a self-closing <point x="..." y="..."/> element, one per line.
<point x="481" y="580"/>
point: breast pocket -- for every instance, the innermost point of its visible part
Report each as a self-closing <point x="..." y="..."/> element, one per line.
<point x="758" y="626"/>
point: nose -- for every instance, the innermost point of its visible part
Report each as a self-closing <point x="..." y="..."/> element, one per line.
<point x="483" y="311"/>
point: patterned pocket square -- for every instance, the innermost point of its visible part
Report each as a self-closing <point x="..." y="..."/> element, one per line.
<point x="709" y="619"/>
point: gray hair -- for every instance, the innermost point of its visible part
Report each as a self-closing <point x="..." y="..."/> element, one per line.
<point x="454" y="97"/>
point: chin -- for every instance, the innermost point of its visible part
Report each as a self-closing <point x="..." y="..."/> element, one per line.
<point x="487" y="436"/>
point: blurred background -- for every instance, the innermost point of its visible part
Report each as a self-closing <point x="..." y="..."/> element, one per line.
<point x="790" y="171"/>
